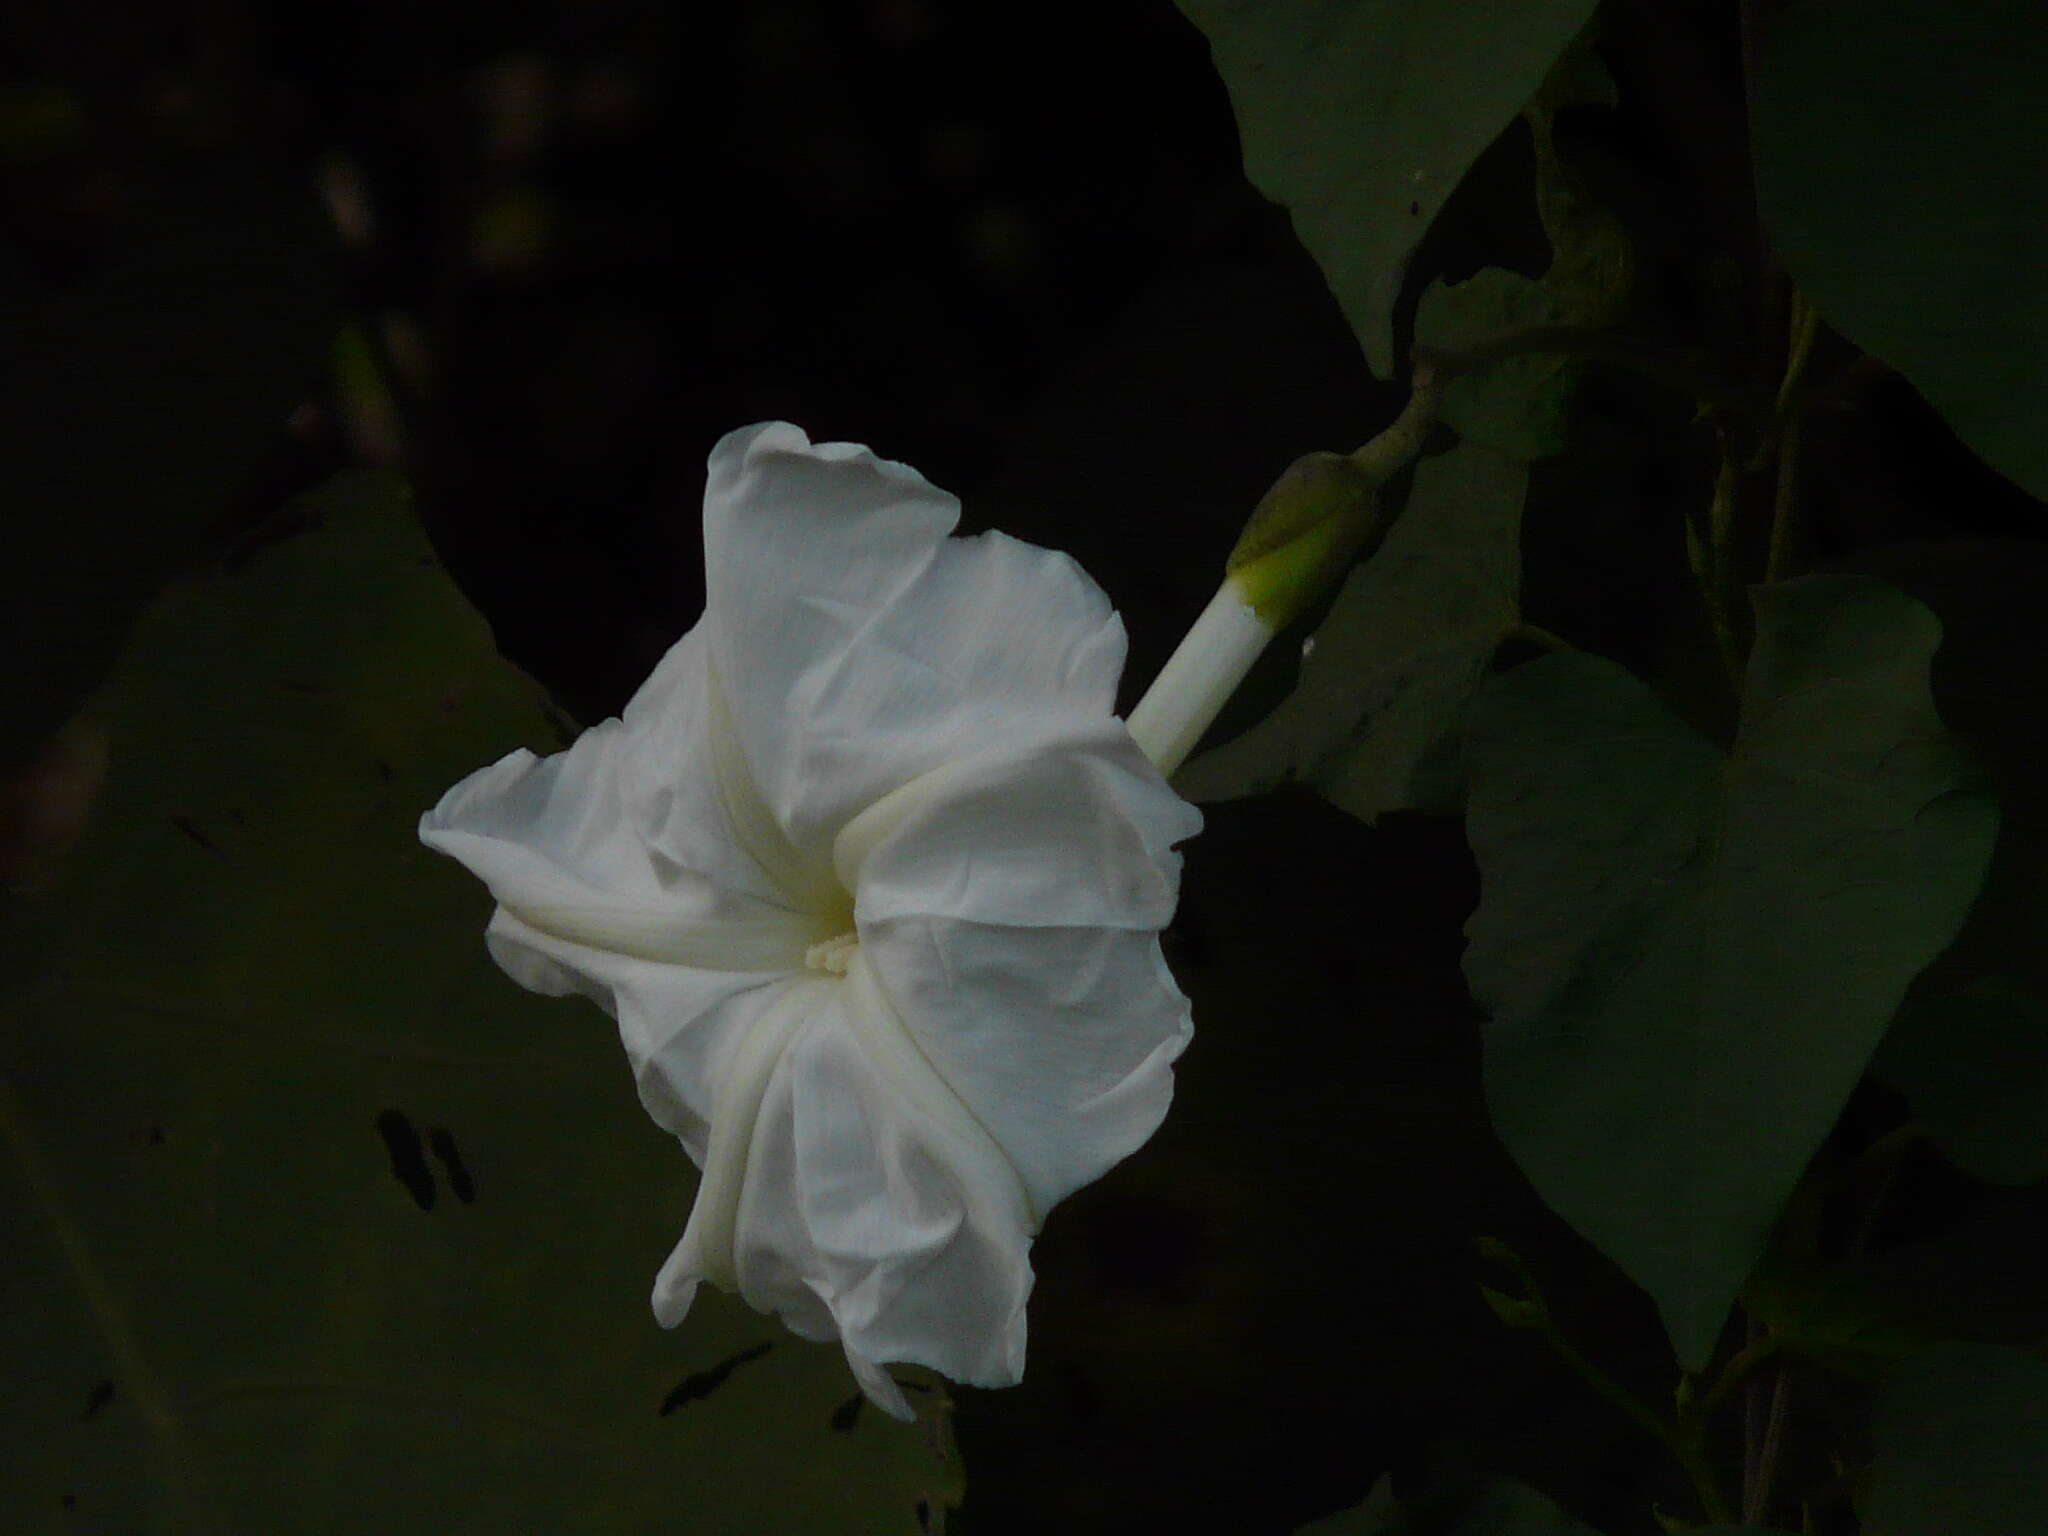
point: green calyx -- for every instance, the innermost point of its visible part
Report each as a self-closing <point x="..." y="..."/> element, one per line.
<point x="1323" y="513"/>
<point x="1317" y="518"/>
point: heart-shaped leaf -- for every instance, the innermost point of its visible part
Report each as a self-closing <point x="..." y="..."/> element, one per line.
<point x="1689" y="954"/>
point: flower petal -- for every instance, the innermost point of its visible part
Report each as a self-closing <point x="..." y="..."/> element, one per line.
<point x="921" y="1231"/>
<point x="860" y="647"/>
<point x="874" y="1207"/>
<point x="583" y="908"/>
<point x="1075" y="830"/>
<point x="1061" y="1041"/>
<point x="680" y="1026"/>
<point x="742" y="1079"/>
<point x="563" y="811"/>
<point x="684" y="785"/>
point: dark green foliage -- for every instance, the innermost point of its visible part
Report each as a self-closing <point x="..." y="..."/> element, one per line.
<point x="1899" y="152"/>
<point x="1689" y="955"/>
<point x="360" y="1233"/>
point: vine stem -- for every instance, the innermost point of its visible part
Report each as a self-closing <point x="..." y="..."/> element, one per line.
<point x="1760" y="1473"/>
<point x="1687" y="371"/>
<point x="1790" y="417"/>
<point x="1713" y="562"/>
<point x="1784" y="501"/>
<point x="1684" y="1435"/>
<point x="1738" y="1370"/>
<point x="1684" y="1441"/>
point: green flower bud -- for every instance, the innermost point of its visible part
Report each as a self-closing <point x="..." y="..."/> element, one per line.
<point x="1306" y="531"/>
<point x="1319" y="516"/>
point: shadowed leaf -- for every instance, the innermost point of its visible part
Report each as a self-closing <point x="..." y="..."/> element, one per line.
<point x="1689" y="955"/>
<point x="226" y="1072"/>
<point x="1959" y="1439"/>
<point x="1899" y="150"/>
<point x="1361" y="117"/>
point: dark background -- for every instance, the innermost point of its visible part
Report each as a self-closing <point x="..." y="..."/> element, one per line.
<point x="1011" y="245"/>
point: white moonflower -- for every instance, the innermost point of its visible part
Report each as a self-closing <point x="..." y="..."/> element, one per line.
<point x="871" y="877"/>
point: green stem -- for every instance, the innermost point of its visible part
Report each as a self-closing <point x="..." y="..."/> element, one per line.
<point x="1692" y="1455"/>
<point x="1805" y="325"/>
<point x="1789" y="414"/>
<point x="1714" y="567"/>
<point x="1735" y="1373"/>
<point x="1404" y="436"/>
<point x="1785" y="501"/>
<point x="1685" y="1441"/>
<point x="1758" y="1477"/>
<point x="1607" y="1386"/>
<point x="1689" y="372"/>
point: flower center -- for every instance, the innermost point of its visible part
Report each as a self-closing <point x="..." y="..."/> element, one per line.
<point x="834" y="955"/>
